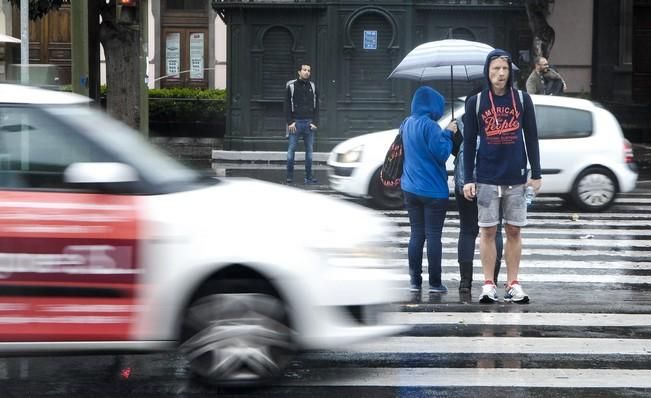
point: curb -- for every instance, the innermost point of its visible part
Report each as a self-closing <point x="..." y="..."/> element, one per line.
<point x="222" y="156"/>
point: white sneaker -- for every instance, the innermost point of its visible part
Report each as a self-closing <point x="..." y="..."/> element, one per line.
<point x="515" y="294"/>
<point x="488" y="294"/>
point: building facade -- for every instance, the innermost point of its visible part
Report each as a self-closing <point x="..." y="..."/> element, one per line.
<point x="352" y="47"/>
<point x="601" y="49"/>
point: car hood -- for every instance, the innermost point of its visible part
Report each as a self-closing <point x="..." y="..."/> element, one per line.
<point x="253" y="209"/>
<point x="381" y="139"/>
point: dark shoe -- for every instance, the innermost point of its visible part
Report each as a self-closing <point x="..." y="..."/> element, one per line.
<point x="465" y="271"/>
<point x="465" y="284"/>
<point x="414" y="288"/>
<point x="465" y="296"/>
<point x="311" y="181"/>
<point x="438" y="288"/>
<point x="289" y="181"/>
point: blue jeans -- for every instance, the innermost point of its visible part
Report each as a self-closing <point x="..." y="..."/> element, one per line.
<point x="426" y="217"/>
<point x="304" y="131"/>
<point x="469" y="229"/>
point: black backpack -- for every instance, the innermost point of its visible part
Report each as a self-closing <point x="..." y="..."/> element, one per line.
<point x="391" y="171"/>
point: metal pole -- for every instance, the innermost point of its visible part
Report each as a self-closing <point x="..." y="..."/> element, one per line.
<point x="79" y="27"/>
<point x="144" y="67"/>
<point x="452" y="90"/>
<point x="24" y="41"/>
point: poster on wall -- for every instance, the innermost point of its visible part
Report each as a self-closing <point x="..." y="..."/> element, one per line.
<point x="370" y="40"/>
<point x="173" y="54"/>
<point x="196" y="56"/>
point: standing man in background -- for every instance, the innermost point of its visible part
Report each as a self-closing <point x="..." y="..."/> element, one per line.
<point x="544" y="80"/>
<point x="302" y="115"/>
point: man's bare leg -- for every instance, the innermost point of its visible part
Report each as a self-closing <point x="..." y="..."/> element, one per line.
<point x="487" y="251"/>
<point x="512" y="252"/>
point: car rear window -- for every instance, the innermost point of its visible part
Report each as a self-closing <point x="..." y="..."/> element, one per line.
<point x="555" y="122"/>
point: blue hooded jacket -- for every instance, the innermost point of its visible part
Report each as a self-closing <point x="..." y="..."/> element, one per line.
<point x="507" y="132"/>
<point x="427" y="146"/>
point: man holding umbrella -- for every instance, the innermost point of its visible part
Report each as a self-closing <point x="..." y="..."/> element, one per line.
<point x="508" y="139"/>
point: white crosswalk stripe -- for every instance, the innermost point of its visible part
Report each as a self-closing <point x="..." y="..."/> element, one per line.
<point x="588" y="325"/>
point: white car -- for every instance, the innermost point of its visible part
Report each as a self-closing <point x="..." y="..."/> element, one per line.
<point x="583" y="154"/>
<point x="108" y="245"/>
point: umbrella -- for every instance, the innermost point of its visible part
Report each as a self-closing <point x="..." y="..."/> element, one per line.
<point x="452" y="59"/>
<point x="8" y="39"/>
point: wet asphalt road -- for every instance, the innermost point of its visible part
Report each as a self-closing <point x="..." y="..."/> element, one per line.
<point x="586" y="333"/>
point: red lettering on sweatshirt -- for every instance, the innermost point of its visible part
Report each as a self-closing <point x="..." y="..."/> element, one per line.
<point x="504" y="124"/>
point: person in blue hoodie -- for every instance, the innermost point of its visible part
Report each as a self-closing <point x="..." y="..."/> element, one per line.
<point x="424" y="184"/>
<point x="497" y="177"/>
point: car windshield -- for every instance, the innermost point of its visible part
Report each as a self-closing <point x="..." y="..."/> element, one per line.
<point x="155" y="166"/>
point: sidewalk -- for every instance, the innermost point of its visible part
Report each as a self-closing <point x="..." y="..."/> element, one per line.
<point x="270" y="165"/>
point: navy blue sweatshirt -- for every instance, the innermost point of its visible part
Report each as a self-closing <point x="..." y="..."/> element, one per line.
<point x="507" y="132"/>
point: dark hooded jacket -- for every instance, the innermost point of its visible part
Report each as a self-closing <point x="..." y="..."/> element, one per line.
<point x="427" y="146"/>
<point x="508" y="135"/>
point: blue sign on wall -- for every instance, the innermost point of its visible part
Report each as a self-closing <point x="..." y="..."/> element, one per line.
<point x="370" y="40"/>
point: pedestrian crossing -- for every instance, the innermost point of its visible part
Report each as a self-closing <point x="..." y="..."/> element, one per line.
<point x="586" y="332"/>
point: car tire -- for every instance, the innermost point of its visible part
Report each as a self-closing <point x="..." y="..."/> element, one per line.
<point x="237" y="339"/>
<point x="594" y="190"/>
<point x="383" y="197"/>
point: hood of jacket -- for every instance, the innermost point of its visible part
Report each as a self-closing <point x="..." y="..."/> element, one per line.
<point x="499" y="53"/>
<point x="427" y="101"/>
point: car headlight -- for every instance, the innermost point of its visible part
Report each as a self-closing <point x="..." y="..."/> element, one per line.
<point x="351" y="156"/>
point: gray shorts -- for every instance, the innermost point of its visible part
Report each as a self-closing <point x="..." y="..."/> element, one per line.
<point x="510" y="197"/>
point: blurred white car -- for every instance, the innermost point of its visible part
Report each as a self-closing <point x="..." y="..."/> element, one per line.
<point x="108" y="245"/>
<point x="584" y="156"/>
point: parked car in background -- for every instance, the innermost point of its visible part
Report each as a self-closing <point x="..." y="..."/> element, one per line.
<point x="584" y="156"/>
<point x="107" y="245"/>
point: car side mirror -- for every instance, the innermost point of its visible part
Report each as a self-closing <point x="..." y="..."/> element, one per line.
<point x="99" y="173"/>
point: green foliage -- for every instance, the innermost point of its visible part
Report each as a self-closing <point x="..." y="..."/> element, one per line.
<point x="38" y="8"/>
<point x="186" y="105"/>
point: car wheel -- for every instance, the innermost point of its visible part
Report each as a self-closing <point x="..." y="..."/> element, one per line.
<point x="237" y="338"/>
<point x="594" y="190"/>
<point x="383" y="197"/>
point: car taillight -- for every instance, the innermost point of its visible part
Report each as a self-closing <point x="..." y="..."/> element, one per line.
<point x="628" y="151"/>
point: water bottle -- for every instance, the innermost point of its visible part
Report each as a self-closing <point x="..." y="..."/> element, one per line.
<point x="529" y="194"/>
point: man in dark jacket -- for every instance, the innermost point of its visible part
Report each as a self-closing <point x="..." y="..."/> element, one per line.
<point x="497" y="177"/>
<point x="545" y="80"/>
<point x="302" y="114"/>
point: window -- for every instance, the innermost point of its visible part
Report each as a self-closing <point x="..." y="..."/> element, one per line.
<point x="557" y="122"/>
<point x="35" y="149"/>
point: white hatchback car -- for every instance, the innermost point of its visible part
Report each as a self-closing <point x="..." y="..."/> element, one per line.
<point x="108" y="245"/>
<point x="584" y="156"/>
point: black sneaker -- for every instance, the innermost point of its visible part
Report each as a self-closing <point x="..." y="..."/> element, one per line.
<point x="438" y="288"/>
<point x="289" y="181"/>
<point x="414" y="288"/>
<point x="311" y="181"/>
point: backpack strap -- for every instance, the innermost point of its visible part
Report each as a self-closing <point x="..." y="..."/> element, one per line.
<point x="477" y="108"/>
<point x="290" y="84"/>
<point x="479" y="99"/>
